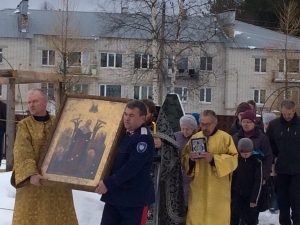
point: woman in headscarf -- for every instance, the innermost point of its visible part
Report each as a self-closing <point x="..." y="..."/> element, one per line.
<point x="188" y="125"/>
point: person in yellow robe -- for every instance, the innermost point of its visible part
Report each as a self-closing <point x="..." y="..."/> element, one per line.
<point x="210" y="189"/>
<point x="37" y="204"/>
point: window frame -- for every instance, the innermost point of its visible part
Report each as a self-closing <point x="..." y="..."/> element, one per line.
<point x="149" y="90"/>
<point x="184" y="93"/>
<point x="182" y="63"/>
<point x="105" y="90"/>
<point x="142" y="59"/>
<point x="205" y="95"/>
<point x="50" y="58"/>
<point x="48" y="90"/>
<point x="258" y="67"/>
<point x="81" y="89"/>
<point x="257" y="99"/>
<point x="75" y="63"/>
<point x="204" y="62"/>
<point x="115" y="63"/>
<point x="288" y="61"/>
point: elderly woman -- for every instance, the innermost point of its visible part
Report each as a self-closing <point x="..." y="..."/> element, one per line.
<point x="261" y="147"/>
<point x="188" y="125"/>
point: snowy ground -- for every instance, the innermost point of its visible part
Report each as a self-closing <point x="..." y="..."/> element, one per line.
<point x="88" y="207"/>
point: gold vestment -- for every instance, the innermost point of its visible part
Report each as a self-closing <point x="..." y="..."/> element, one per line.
<point x="210" y="194"/>
<point x="37" y="205"/>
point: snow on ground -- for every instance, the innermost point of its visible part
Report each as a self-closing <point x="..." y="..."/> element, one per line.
<point x="88" y="206"/>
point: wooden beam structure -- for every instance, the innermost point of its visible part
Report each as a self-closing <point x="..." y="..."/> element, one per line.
<point x="11" y="78"/>
<point x="10" y="123"/>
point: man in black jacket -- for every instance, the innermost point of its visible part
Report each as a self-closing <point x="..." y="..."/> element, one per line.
<point x="2" y="127"/>
<point x="284" y="136"/>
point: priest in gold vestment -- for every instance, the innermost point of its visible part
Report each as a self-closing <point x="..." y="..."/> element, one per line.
<point x="210" y="189"/>
<point x="37" y="204"/>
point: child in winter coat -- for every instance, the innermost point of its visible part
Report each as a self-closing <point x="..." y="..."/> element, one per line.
<point x="246" y="185"/>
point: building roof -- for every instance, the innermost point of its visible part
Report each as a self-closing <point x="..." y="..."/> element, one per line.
<point x="91" y="25"/>
<point x="253" y="37"/>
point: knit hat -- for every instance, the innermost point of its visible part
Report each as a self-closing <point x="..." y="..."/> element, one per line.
<point x="249" y="114"/>
<point x="197" y="117"/>
<point x="245" y="145"/>
<point x="189" y="121"/>
<point x="267" y="117"/>
<point x="242" y="107"/>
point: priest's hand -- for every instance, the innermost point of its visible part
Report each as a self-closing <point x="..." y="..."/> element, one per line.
<point x="207" y="156"/>
<point x="252" y="205"/>
<point x="101" y="188"/>
<point x="36" y="179"/>
<point x="194" y="156"/>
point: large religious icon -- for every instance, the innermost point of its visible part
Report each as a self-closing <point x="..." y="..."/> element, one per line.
<point x="84" y="140"/>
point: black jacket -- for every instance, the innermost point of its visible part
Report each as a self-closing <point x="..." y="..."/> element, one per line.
<point x="2" y="116"/>
<point x="261" y="146"/>
<point x="247" y="178"/>
<point x="235" y="127"/>
<point x="284" y="137"/>
<point x="129" y="183"/>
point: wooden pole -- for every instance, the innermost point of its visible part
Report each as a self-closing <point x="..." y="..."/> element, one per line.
<point x="10" y="123"/>
<point x="57" y="95"/>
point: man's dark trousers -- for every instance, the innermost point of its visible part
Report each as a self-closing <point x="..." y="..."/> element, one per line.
<point x="289" y="198"/>
<point x="116" y="215"/>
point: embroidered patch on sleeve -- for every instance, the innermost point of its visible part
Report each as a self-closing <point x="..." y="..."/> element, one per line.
<point x="141" y="147"/>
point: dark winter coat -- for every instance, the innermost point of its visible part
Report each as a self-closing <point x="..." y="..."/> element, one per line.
<point x="247" y="178"/>
<point x="182" y="140"/>
<point x="236" y="127"/>
<point x="129" y="183"/>
<point x="261" y="147"/>
<point x="284" y="137"/>
<point x="2" y="117"/>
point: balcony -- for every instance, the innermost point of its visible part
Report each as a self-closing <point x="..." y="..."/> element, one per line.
<point x="278" y="77"/>
<point x="82" y="70"/>
<point x="185" y="74"/>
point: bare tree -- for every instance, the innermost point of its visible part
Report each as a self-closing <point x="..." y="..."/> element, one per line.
<point x="285" y="55"/>
<point x="65" y="40"/>
<point x="173" y="30"/>
<point x="289" y="21"/>
<point x="46" y="6"/>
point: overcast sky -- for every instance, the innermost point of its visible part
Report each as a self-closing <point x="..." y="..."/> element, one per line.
<point x="79" y="5"/>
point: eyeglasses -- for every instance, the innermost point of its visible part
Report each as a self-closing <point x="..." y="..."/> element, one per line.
<point x="205" y="124"/>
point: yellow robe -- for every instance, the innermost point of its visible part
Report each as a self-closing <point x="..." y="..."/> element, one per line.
<point x="37" y="205"/>
<point x="210" y="194"/>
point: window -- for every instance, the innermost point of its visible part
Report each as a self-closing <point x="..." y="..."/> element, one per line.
<point x="143" y="92"/>
<point x="110" y="90"/>
<point x="48" y="57"/>
<point x="205" y="95"/>
<point x="182" y="63"/>
<point x="181" y="91"/>
<point x="80" y="89"/>
<point x="111" y="60"/>
<point x="1" y="52"/>
<point x="292" y="65"/>
<point x="259" y="96"/>
<point x="260" y="65"/>
<point x="206" y="63"/>
<point x="74" y="59"/>
<point x="48" y="88"/>
<point x="143" y="61"/>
